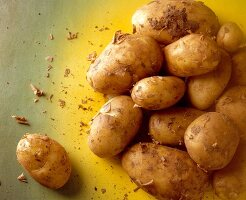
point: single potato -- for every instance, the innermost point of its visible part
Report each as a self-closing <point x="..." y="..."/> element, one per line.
<point x="126" y="60"/>
<point x="115" y="125"/>
<point x="229" y="183"/>
<point x="164" y="172"/>
<point x="211" y="140"/>
<point x="230" y="37"/>
<point x="238" y="76"/>
<point x="168" y="126"/>
<point x="233" y="104"/>
<point x="158" y="92"/>
<point x="204" y="89"/>
<point x="192" y="55"/>
<point x="44" y="159"/>
<point x="169" y="20"/>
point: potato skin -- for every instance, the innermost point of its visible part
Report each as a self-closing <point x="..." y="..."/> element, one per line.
<point x="169" y="20"/>
<point x="171" y="173"/>
<point x="158" y="92"/>
<point x="126" y="60"/>
<point x="233" y="104"/>
<point x="44" y="159"/>
<point x="230" y="36"/>
<point x="204" y="89"/>
<point x="168" y="126"/>
<point x="192" y="55"/>
<point x="238" y="76"/>
<point x="229" y="182"/>
<point x="115" y="125"/>
<point x="211" y="140"/>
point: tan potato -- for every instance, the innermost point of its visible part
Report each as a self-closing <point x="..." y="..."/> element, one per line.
<point x="126" y="60"/>
<point x="164" y="172"/>
<point x="230" y="37"/>
<point x="238" y="76"/>
<point x="168" y="126"/>
<point x="203" y="90"/>
<point x="169" y="20"/>
<point x="229" y="183"/>
<point x="114" y="126"/>
<point x="192" y="55"/>
<point x="211" y="140"/>
<point x="233" y="104"/>
<point x="44" y="159"/>
<point x="158" y="92"/>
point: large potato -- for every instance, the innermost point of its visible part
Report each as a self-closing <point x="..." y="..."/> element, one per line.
<point x="211" y="140"/>
<point x="230" y="37"/>
<point x="158" y="92"/>
<point x="192" y="55"/>
<point x="229" y="183"/>
<point x="169" y="20"/>
<point x="233" y="104"/>
<point x="203" y="90"/>
<point x="168" y="126"/>
<point x="114" y="126"/>
<point x="164" y="172"/>
<point x="126" y="60"/>
<point x="238" y="76"/>
<point x="44" y="159"/>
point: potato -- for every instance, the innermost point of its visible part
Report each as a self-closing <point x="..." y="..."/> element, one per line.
<point x="230" y="37"/>
<point x="169" y="20"/>
<point x="238" y="76"/>
<point x="233" y="104"/>
<point x="164" y="172"/>
<point x="44" y="159"/>
<point x="229" y="183"/>
<point x="114" y="126"/>
<point x="126" y="60"/>
<point x="192" y="55"/>
<point x="158" y="92"/>
<point x="168" y="126"/>
<point x="204" y="89"/>
<point x="211" y="140"/>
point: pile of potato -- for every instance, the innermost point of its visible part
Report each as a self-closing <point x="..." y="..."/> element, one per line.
<point x="189" y="74"/>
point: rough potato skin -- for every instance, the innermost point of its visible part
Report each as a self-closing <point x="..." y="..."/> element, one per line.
<point x="192" y="55"/>
<point x="230" y="36"/>
<point x="44" y="159"/>
<point x="169" y="20"/>
<point x="158" y="92"/>
<point x="203" y="90"/>
<point x="238" y="76"/>
<point x="211" y="140"/>
<point x="164" y="172"/>
<point x="126" y="60"/>
<point x="233" y="104"/>
<point x="229" y="183"/>
<point x="114" y="126"/>
<point x="168" y="126"/>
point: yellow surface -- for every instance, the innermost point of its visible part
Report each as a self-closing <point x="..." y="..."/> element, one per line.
<point x="23" y="47"/>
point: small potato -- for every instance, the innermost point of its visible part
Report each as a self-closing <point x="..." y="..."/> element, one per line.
<point x="238" y="76"/>
<point x="126" y="60"/>
<point x="230" y="36"/>
<point x="168" y="126"/>
<point x="169" y="20"/>
<point x="192" y="55"/>
<point x="115" y="125"/>
<point x="164" y="172"/>
<point x="203" y="90"/>
<point x="229" y="183"/>
<point x="44" y="159"/>
<point x="211" y="140"/>
<point x="233" y="104"/>
<point x="157" y="92"/>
